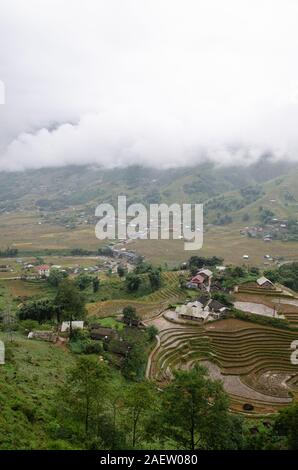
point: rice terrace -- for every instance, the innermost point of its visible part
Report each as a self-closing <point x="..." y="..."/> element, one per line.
<point x="149" y="231"/>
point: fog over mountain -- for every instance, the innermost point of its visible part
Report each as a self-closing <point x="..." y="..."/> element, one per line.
<point x="160" y="83"/>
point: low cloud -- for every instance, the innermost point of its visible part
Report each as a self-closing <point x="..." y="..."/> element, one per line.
<point x="155" y="83"/>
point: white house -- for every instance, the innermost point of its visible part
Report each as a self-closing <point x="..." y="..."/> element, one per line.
<point x="43" y="270"/>
<point x="202" y="310"/>
<point x="265" y="283"/>
<point x="76" y="325"/>
<point x="205" y="272"/>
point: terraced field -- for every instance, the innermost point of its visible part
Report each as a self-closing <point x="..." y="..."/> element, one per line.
<point x="149" y="305"/>
<point x="252" y="361"/>
<point x="284" y="302"/>
<point x="114" y="307"/>
<point x="171" y="292"/>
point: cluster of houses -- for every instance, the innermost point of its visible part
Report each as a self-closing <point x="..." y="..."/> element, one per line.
<point x="111" y="338"/>
<point x="276" y="229"/>
<point x="5" y="268"/>
<point x="202" y="280"/>
<point x="107" y="265"/>
<point x="128" y="255"/>
<point x="201" y="310"/>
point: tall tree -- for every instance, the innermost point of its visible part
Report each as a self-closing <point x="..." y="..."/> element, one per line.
<point x="155" y="279"/>
<point x="69" y="303"/>
<point x="138" y="402"/>
<point x="85" y="394"/>
<point x="133" y="282"/>
<point x="56" y="277"/>
<point x="121" y="271"/>
<point x="195" y="410"/>
<point x="129" y="314"/>
<point x="287" y="425"/>
<point x="95" y="284"/>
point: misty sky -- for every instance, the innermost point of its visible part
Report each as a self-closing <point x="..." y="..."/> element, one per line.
<point x="158" y="82"/>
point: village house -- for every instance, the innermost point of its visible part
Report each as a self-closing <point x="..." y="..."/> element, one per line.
<point x="43" y="270"/>
<point x="265" y="283"/>
<point x="201" y="310"/>
<point x="5" y="268"/>
<point x="76" y="325"/>
<point x="201" y="280"/>
<point x="48" y="336"/>
<point x="196" y="281"/>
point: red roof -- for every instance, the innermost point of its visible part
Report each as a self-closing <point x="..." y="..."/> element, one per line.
<point x="198" y="279"/>
<point x="43" y="267"/>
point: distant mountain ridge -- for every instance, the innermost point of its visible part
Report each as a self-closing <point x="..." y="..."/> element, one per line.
<point x="226" y="191"/>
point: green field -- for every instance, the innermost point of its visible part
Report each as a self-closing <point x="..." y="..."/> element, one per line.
<point x="28" y="382"/>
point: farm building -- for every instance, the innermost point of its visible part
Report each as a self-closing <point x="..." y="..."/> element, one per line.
<point x="205" y="273"/>
<point x="43" y="336"/>
<point x="4" y="268"/>
<point x="200" y="280"/>
<point x="197" y="280"/>
<point x="43" y="270"/>
<point x="265" y="283"/>
<point x="192" y="311"/>
<point x="76" y="325"/>
<point x="203" y="309"/>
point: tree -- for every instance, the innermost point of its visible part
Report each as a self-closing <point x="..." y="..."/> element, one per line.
<point x="9" y="323"/>
<point x="182" y="281"/>
<point x="56" y="277"/>
<point x="135" y="362"/>
<point x="83" y="281"/>
<point x="133" y="282"/>
<point x="195" y="410"/>
<point x="151" y="331"/>
<point x="129" y="314"/>
<point x="272" y="275"/>
<point x="85" y="394"/>
<point x="223" y="298"/>
<point x="266" y="216"/>
<point x="139" y="401"/>
<point x="95" y="284"/>
<point x="9" y="253"/>
<point x="143" y="267"/>
<point x="121" y="271"/>
<point x="40" y="310"/>
<point x="287" y="425"/>
<point x="155" y="279"/>
<point x="197" y="262"/>
<point x="69" y="302"/>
